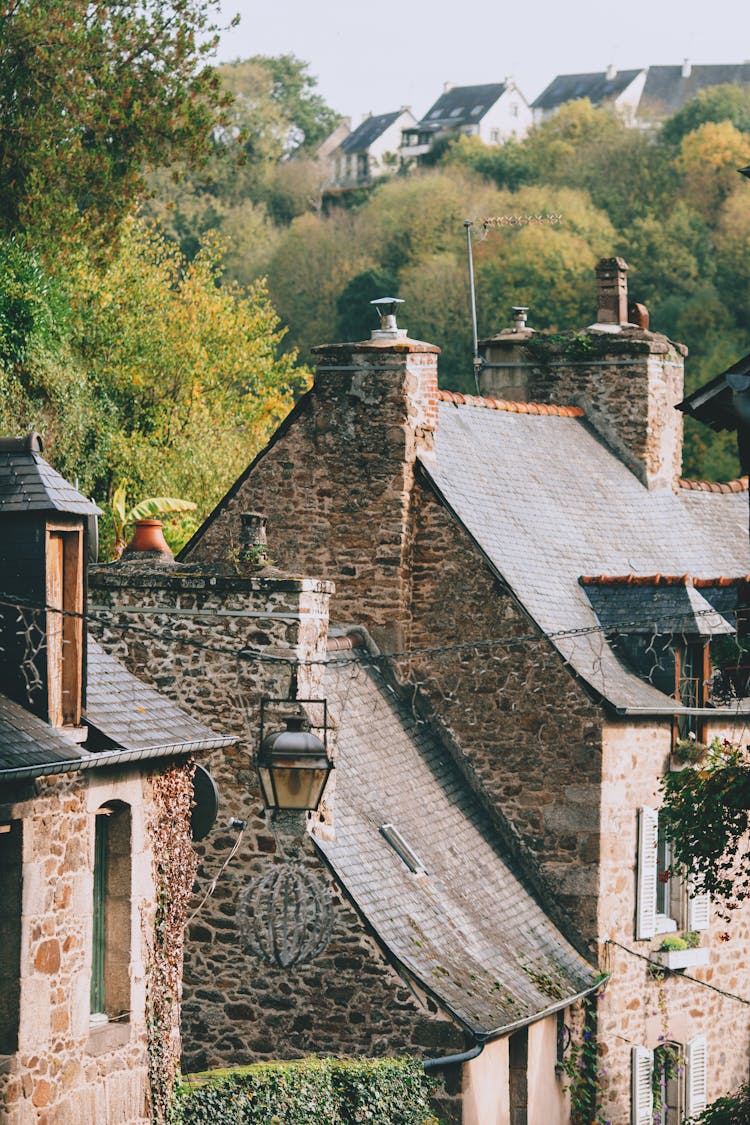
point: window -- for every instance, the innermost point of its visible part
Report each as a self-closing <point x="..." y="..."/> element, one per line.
<point x="11" y="869"/>
<point x="457" y="111"/>
<point x="64" y="633"/>
<point x="494" y="136"/>
<point x="514" y="109"/>
<point x="110" y="953"/>
<point x="668" y="1083"/>
<point x="362" y="165"/>
<point x="692" y="684"/>
<point x="664" y="901"/>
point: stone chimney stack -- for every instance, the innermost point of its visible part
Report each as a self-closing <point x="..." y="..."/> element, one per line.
<point x="612" y="291"/>
<point x="626" y="378"/>
<point x="337" y="487"/>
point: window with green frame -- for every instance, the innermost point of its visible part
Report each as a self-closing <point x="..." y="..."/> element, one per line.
<point x="110" y="952"/>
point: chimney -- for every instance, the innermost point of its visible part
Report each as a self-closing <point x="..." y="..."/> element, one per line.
<point x="686" y="68"/>
<point x="611" y="72"/>
<point x="448" y="86"/>
<point x="505" y="366"/>
<point x="626" y="378"/>
<point x="612" y="291"/>
<point x="337" y="479"/>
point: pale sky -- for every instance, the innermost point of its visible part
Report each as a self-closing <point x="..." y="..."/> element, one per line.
<point x="378" y="56"/>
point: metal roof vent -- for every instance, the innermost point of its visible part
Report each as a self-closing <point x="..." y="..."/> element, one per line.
<point x="520" y="312"/>
<point x="402" y="849"/>
<point x="389" y="330"/>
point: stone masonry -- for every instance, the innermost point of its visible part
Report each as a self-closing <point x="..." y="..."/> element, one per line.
<point x="236" y="1009"/>
<point x="65" y="1072"/>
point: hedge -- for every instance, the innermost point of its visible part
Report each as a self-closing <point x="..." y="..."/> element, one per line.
<point x="309" y="1091"/>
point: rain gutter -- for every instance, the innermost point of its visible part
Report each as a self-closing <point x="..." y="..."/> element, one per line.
<point x="113" y="758"/>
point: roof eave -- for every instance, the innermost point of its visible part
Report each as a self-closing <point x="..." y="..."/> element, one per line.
<point x="121" y="757"/>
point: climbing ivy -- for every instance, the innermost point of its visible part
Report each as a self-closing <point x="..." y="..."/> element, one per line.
<point x="174" y="863"/>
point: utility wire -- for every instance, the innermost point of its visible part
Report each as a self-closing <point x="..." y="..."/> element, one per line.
<point x="675" y="973"/>
<point x="103" y="617"/>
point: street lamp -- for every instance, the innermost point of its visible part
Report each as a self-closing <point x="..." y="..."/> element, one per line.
<point x="293" y="764"/>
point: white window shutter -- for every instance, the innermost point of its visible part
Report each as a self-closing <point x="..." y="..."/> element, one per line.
<point x="648" y="835"/>
<point x="695" y="1058"/>
<point x="642" y="1095"/>
<point x="698" y="908"/>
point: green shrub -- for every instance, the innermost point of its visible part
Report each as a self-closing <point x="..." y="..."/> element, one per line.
<point x="734" y="1110"/>
<point x="308" y="1092"/>
<point x="674" y="941"/>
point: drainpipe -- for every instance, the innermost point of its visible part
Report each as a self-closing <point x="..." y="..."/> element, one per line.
<point x="431" y="1065"/>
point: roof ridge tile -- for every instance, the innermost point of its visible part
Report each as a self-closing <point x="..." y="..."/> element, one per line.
<point x="739" y="484"/>
<point x="541" y="408"/>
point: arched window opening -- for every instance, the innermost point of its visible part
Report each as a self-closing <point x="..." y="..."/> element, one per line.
<point x="110" y="961"/>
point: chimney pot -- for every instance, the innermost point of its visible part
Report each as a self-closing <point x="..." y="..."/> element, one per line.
<point x="612" y="291"/>
<point x="520" y="312"/>
<point x="611" y="72"/>
<point x="386" y="309"/>
<point x="687" y="67"/>
<point x="148" y="539"/>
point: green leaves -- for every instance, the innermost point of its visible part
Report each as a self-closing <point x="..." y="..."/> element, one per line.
<point x="90" y="92"/>
<point x="706" y="814"/>
<point x="341" y="1091"/>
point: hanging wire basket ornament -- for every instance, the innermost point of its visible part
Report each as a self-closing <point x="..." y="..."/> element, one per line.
<point x="285" y="918"/>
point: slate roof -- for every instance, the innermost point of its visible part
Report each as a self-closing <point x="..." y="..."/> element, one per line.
<point x="28" y="483"/>
<point x="656" y="608"/>
<point x="468" y="930"/>
<point x="547" y="502"/>
<point x="136" y="721"/>
<point x="666" y="90"/>
<point x="360" y="139"/>
<point x="462" y="105"/>
<point x="596" y="87"/>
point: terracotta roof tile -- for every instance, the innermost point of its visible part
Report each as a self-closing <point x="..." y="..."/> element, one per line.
<point x="542" y="408"/>
<point x="738" y="485"/>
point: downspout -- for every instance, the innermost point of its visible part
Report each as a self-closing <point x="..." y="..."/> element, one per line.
<point x="431" y="1065"/>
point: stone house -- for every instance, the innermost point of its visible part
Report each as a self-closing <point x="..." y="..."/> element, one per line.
<point x="95" y="783"/>
<point x="642" y="97"/>
<point x="551" y="589"/>
<point x="368" y="152"/>
<point x="494" y="112"/>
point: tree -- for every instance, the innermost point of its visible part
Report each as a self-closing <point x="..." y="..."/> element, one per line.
<point x="91" y="92"/>
<point x="309" y="118"/>
<point x="706" y="813"/>
<point x="159" y="376"/>
<point x="707" y="164"/>
<point x="726" y="102"/>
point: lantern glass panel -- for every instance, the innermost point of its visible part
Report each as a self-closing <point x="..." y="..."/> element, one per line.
<point x="298" y="787"/>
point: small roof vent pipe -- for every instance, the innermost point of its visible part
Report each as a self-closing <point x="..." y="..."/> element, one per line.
<point x="520" y="312"/>
<point x="386" y="309"/>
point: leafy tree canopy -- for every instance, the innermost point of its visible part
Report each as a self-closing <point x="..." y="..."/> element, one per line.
<point x="91" y="92"/>
<point x="718" y="103"/>
<point x="158" y="377"/>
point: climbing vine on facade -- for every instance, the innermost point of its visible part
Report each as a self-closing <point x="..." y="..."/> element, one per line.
<point x="174" y="867"/>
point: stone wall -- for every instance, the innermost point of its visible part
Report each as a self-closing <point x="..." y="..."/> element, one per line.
<point x="528" y="731"/>
<point x="636" y="1008"/>
<point x="66" y="1070"/>
<point x="628" y="383"/>
<point x="237" y="1009"/>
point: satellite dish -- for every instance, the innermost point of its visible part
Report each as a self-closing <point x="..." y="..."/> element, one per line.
<point x="205" y="804"/>
<point x="93" y="538"/>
